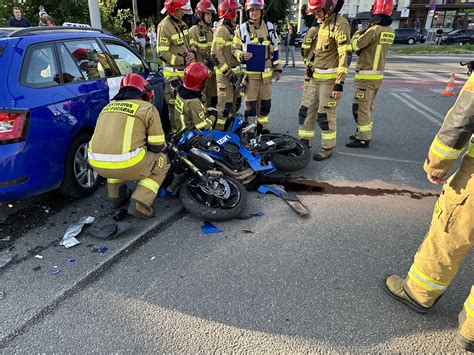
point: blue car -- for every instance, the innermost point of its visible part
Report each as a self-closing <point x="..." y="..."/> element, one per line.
<point x="53" y="84"/>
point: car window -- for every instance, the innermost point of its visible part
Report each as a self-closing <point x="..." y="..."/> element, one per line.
<point x="126" y="60"/>
<point x="71" y="73"/>
<point x="91" y="60"/>
<point x="40" y="68"/>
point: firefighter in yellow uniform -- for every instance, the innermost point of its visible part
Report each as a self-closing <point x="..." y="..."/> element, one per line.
<point x="308" y="51"/>
<point x="189" y="109"/>
<point x="127" y="144"/>
<point x="330" y="68"/>
<point x="372" y="48"/>
<point x="258" y="91"/>
<point x="201" y="38"/>
<point x="451" y="234"/>
<point x="227" y="66"/>
<point x="174" y="46"/>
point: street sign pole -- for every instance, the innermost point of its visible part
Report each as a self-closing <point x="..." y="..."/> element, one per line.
<point x="94" y="13"/>
<point x="300" y="6"/>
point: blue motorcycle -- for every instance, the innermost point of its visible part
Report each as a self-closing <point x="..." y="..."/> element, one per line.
<point x="243" y="156"/>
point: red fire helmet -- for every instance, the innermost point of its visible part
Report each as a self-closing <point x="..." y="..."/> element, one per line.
<point x="382" y="7"/>
<point x="138" y="82"/>
<point x="172" y="5"/>
<point x="196" y="76"/>
<point x="203" y="6"/>
<point x="227" y="9"/>
<point x="328" y="5"/>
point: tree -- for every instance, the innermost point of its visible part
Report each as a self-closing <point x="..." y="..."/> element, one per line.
<point x="70" y="10"/>
<point x="119" y="22"/>
<point x="277" y="10"/>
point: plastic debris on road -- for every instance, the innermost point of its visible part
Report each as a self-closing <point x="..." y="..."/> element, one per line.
<point x="6" y="260"/>
<point x="208" y="228"/>
<point x="248" y="231"/>
<point x="2" y="295"/>
<point x="274" y="189"/>
<point x="73" y="230"/>
<point x="71" y="260"/>
<point x="109" y="231"/>
<point x="152" y="258"/>
<point x="102" y="250"/>
<point x="39" y="257"/>
<point x="36" y="268"/>
<point x="55" y="271"/>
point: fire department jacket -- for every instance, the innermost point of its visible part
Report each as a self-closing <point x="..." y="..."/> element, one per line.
<point x="372" y="47"/>
<point x="221" y="49"/>
<point x="189" y="110"/>
<point x="309" y="45"/>
<point x="122" y="132"/>
<point x="332" y="45"/>
<point x="200" y="36"/>
<point x="455" y="135"/>
<point x="173" y="43"/>
<point x="265" y="35"/>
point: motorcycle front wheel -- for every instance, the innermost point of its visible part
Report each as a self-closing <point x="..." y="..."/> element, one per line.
<point x="221" y="199"/>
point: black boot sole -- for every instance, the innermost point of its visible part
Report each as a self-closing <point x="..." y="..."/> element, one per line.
<point x="418" y="309"/>
<point x="464" y="343"/>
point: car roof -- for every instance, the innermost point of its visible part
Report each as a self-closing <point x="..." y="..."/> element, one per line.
<point x="11" y="32"/>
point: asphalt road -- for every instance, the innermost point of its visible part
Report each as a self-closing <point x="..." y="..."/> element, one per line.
<point x="292" y="285"/>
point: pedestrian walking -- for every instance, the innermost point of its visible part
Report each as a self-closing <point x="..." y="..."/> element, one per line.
<point x="152" y="37"/>
<point x="289" y="43"/>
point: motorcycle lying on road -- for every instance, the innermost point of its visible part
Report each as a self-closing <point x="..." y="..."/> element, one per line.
<point x="205" y="191"/>
<point x="245" y="158"/>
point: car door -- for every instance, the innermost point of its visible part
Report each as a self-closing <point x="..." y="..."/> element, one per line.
<point x="86" y="69"/>
<point x="127" y="61"/>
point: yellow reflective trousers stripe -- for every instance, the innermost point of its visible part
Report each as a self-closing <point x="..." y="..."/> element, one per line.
<point x="305" y="134"/>
<point x="150" y="185"/>
<point x="328" y="136"/>
<point x="425" y="282"/>
<point x="118" y="165"/>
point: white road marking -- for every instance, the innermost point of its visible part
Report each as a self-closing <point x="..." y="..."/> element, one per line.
<point x="420" y="111"/>
<point x="376" y="157"/>
<point x="423" y="106"/>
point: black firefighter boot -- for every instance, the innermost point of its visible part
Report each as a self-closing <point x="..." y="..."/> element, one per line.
<point x="124" y="195"/>
<point x="353" y="142"/>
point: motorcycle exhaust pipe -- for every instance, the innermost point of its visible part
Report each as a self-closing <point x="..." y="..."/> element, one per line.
<point x="239" y="175"/>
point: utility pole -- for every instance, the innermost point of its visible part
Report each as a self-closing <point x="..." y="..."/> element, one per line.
<point x="300" y="7"/>
<point x="135" y="12"/>
<point x="94" y="13"/>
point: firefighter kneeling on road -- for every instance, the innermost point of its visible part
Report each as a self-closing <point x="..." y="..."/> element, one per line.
<point x="189" y="109"/>
<point x="372" y="48"/>
<point x="258" y="91"/>
<point x="451" y="234"/>
<point x="329" y="71"/>
<point x="127" y="144"/>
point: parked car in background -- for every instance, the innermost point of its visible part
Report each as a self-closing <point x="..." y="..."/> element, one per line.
<point x="299" y="39"/>
<point x="459" y="36"/>
<point x="54" y="83"/>
<point x="407" y="35"/>
<point x="423" y="35"/>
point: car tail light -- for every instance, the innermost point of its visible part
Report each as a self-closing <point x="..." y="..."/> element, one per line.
<point x="13" y="126"/>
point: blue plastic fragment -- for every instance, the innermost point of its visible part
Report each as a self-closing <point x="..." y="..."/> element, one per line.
<point x="72" y="260"/>
<point x="274" y="189"/>
<point x="55" y="271"/>
<point x="208" y="228"/>
<point x="102" y="250"/>
<point x="258" y="214"/>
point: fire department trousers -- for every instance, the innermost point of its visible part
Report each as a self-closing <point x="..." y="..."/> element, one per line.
<point x="318" y="105"/>
<point x="363" y="105"/>
<point x="258" y="100"/>
<point x="228" y="100"/>
<point x="209" y="94"/>
<point x="170" y="97"/>
<point x="448" y="241"/>
<point x="150" y="173"/>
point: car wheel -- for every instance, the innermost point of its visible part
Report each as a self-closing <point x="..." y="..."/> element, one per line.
<point x="411" y="41"/>
<point x="80" y="180"/>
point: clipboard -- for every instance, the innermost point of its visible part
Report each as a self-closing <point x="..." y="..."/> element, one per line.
<point x="257" y="62"/>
